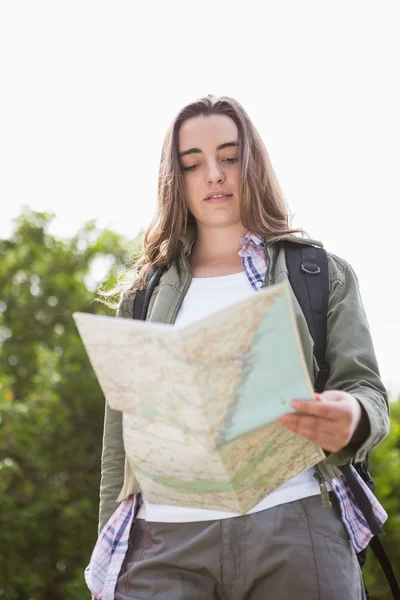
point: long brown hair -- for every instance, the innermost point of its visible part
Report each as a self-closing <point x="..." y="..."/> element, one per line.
<point x="263" y="208"/>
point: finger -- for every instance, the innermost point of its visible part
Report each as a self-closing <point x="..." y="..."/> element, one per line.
<point x="327" y="410"/>
<point x="325" y="440"/>
<point x="301" y="423"/>
<point x="327" y="444"/>
<point x="333" y="395"/>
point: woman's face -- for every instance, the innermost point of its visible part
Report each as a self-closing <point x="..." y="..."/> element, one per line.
<point x="209" y="155"/>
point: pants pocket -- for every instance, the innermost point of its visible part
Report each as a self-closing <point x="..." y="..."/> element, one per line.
<point x="140" y="541"/>
<point x="326" y="521"/>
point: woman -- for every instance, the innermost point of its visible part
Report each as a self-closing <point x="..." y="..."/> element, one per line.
<point x="220" y="217"/>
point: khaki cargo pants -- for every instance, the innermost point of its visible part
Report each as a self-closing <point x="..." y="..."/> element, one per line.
<point x="295" y="551"/>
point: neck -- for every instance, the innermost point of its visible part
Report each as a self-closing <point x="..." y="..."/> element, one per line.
<point x="217" y="244"/>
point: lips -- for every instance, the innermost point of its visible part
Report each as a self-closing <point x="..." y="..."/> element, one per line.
<point x="220" y="195"/>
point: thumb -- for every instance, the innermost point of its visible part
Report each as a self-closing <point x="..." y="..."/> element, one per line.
<point x="331" y="396"/>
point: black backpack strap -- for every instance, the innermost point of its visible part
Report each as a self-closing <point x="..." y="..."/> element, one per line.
<point x="380" y="553"/>
<point x="142" y="296"/>
<point x="309" y="278"/>
<point x="362" y="499"/>
<point x="375" y="544"/>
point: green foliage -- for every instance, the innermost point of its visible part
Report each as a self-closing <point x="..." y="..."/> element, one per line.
<point x="385" y="469"/>
<point x="51" y="407"/>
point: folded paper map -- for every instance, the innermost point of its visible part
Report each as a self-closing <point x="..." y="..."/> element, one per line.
<point x="201" y="403"/>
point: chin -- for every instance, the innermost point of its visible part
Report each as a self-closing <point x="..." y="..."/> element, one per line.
<point x="223" y="222"/>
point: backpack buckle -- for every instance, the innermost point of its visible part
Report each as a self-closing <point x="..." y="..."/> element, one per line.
<point x="310" y="268"/>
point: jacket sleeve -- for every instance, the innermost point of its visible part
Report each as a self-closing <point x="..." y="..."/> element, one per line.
<point x="113" y="452"/>
<point x="351" y="356"/>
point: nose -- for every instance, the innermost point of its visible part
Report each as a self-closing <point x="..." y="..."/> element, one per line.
<point x="215" y="173"/>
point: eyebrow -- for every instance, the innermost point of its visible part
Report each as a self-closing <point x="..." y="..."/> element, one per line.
<point x="198" y="151"/>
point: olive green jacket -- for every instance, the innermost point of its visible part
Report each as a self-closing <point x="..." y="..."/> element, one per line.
<point x="349" y="352"/>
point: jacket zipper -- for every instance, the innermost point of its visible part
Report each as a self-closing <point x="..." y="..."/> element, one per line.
<point x="183" y="293"/>
<point x="268" y="271"/>
<point x="326" y="503"/>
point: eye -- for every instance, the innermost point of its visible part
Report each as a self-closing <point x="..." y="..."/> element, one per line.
<point x="231" y="161"/>
<point x="191" y="168"/>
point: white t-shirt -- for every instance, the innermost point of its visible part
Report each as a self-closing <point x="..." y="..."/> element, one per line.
<point x="205" y="296"/>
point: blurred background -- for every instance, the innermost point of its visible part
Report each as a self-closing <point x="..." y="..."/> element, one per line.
<point x="88" y="90"/>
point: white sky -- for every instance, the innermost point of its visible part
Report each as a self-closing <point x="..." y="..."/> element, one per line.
<point x="88" y="89"/>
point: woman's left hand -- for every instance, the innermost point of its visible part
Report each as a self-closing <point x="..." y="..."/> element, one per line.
<point x="332" y="420"/>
